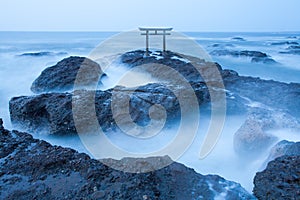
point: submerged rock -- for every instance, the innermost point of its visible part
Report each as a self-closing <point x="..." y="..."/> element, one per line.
<point x="280" y="180"/>
<point x="256" y="56"/>
<point x="43" y="53"/>
<point x="34" y="169"/>
<point x="294" y="49"/>
<point x="238" y="39"/>
<point x="285" y="43"/>
<point x="62" y="76"/>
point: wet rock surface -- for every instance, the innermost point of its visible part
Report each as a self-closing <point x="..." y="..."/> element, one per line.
<point x="238" y="39"/>
<point x="293" y="49"/>
<point x="284" y="148"/>
<point x="34" y="169"/>
<point x="43" y="53"/>
<point x="280" y="180"/>
<point x="285" y="43"/>
<point x="276" y="95"/>
<point x="253" y="139"/>
<point x="61" y="77"/>
<point x="53" y="111"/>
<point x="256" y="56"/>
<point x="191" y="68"/>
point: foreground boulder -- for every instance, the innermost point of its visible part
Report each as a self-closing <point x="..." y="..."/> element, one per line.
<point x="34" y="169"/>
<point x="61" y="77"/>
<point x="280" y="180"/>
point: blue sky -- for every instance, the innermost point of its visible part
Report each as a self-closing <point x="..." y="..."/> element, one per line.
<point x="121" y="15"/>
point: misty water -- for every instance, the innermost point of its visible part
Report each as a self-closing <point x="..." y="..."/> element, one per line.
<point x="18" y="72"/>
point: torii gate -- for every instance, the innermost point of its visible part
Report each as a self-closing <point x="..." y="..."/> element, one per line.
<point x="155" y="31"/>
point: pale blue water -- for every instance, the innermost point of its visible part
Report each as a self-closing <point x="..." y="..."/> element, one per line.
<point x="18" y="72"/>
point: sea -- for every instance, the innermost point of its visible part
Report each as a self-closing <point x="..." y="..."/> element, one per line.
<point x="24" y="55"/>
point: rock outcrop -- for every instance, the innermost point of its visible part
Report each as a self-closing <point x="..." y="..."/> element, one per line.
<point x="269" y="94"/>
<point x="293" y="49"/>
<point x="34" y="169"/>
<point x="191" y="68"/>
<point x="44" y="53"/>
<point x="285" y="43"/>
<point x="238" y="39"/>
<point x="280" y="180"/>
<point x="284" y="148"/>
<point x="52" y="112"/>
<point x="252" y="138"/>
<point x="61" y="77"/>
<point x="256" y="56"/>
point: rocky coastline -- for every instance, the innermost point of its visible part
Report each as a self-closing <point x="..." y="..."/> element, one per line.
<point x="50" y="111"/>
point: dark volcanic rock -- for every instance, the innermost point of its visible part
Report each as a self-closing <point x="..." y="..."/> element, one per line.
<point x="256" y="56"/>
<point x="294" y="49"/>
<point x="264" y="93"/>
<point x="280" y="180"/>
<point x="238" y="39"/>
<point x="222" y="45"/>
<point x="285" y="43"/>
<point x="43" y="53"/>
<point x="263" y="60"/>
<point x="34" y="169"/>
<point x="52" y="112"/>
<point x="61" y="77"/>
<point x="191" y="68"/>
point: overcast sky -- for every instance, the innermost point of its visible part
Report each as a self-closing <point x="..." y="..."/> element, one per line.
<point x="121" y="15"/>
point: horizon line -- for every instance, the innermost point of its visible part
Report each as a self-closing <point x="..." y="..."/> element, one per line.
<point x="190" y="31"/>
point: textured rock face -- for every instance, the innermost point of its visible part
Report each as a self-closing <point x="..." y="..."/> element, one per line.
<point x="243" y="93"/>
<point x="61" y="77"/>
<point x="52" y="112"/>
<point x="265" y="93"/>
<point x="284" y="148"/>
<point x="251" y="140"/>
<point x="191" y="68"/>
<point x="280" y="180"/>
<point x="34" y="169"/>
<point x="252" y="137"/>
